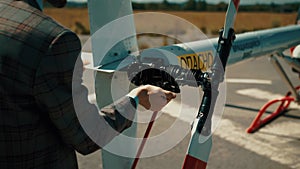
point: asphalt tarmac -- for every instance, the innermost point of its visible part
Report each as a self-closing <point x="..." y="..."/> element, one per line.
<point x="250" y="85"/>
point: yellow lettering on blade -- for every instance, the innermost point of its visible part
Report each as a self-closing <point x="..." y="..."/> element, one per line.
<point x="201" y="60"/>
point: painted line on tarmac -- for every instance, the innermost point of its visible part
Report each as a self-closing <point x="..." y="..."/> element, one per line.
<point x="263" y="95"/>
<point x="274" y="145"/>
<point x="248" y="81"/>
<point x="274" y="141"/>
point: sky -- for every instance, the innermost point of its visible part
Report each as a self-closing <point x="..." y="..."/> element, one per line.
<point x="215" y="1"/>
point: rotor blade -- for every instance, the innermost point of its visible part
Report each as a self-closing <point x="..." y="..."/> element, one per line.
<point x="198" y="152"/>
<point x="230" y="16"/>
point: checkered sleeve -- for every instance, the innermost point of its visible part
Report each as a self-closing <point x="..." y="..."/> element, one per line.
<point x="53" y="91"/>
<point x="58" y="75"/>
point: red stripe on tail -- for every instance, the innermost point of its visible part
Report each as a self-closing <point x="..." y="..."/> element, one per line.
<point x="193" y="163"/>
<point x="236" y="4"/>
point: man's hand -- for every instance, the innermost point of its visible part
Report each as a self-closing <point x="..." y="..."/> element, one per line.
<point x="154" y="98"/>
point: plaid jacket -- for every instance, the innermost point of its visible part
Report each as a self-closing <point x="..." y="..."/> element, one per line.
<point x="38" y="124"/>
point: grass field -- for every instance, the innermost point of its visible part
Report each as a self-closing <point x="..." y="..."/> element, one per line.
<point x="210" y="22"/>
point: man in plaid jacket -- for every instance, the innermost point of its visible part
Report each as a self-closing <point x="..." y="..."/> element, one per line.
<point x="38" y="124"/>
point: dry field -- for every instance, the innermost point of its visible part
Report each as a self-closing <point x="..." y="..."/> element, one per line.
<point x="210" y="22"/>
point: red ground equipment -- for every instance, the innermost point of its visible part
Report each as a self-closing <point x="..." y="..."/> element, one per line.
<point x="291" y="96"/>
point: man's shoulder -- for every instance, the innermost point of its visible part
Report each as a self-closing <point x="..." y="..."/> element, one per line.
<point x="32" y="19"/>
<point x="29" y="25"/>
